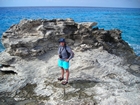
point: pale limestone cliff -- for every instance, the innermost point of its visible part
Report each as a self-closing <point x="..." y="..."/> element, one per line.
<point x="104" y="70"/>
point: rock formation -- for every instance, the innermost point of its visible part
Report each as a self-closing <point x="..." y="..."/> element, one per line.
<point x="104" y="71"/>
<point x="36" y="37"/>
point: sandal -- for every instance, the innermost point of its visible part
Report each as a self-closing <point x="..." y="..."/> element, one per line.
<point x="64" y="82"/>
<point x="60" y="78"/>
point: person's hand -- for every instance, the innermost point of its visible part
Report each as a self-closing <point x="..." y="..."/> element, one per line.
<point x="66" y="60"/>
<point x="60" y="56"/>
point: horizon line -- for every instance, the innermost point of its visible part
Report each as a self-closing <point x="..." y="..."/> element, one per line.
<point x="69" y="6"/>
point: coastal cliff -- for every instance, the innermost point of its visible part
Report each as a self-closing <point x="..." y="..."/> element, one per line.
<point x="104" y="70"/>
<point x="36" y="37"/>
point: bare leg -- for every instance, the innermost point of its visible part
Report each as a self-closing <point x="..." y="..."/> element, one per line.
<point x="67" y="75"/>
<point x="62" y="72"/>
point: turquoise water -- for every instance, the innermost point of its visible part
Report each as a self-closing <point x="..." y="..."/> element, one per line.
<point x="125" y="19"/>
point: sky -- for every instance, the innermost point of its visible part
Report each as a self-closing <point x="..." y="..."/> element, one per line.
<point x="88" y="3"/>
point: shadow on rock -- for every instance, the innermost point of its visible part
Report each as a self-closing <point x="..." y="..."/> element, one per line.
<point x="82" y="84"/>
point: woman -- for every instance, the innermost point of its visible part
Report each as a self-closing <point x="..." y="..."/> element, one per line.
<point x="65" y="54"/>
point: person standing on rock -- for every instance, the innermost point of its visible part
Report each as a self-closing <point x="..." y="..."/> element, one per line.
<point x="65" y="54"/>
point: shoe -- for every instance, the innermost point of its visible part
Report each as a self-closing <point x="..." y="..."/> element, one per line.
<point x="60" y="78"/>
<point x="64" y="82"/>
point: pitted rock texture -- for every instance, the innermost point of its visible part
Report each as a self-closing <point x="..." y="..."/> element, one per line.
<point x="104" y="70"/>
<point x="36" y="37"/>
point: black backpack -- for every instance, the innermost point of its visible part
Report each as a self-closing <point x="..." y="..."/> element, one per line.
<point x="69" y="53"/>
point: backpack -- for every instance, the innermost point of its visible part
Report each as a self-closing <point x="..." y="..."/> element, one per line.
<point x="69" y="53"/>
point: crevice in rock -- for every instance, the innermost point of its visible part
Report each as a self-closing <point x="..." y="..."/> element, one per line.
<point x="3" y="65"/>
<point x="6" y="69"/>
<point x="8" y="72"/>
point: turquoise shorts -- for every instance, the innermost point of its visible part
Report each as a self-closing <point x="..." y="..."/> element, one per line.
<point x="63" y="64"/>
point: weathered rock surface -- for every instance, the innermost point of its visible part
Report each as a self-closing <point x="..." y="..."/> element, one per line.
<point x="104" y="71"/>
<point x="36" y="37"/>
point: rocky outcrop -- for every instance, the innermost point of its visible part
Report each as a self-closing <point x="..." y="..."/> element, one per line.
<point x="104" y="70"/>
<point x="36" y="37"/>
<point x="96" y="78"/>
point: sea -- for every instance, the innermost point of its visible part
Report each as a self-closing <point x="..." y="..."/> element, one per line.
<point x="125" y="19"/>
